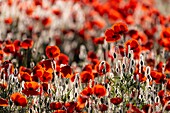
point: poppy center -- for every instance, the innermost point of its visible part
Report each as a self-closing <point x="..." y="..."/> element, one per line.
<point x="31" y="89"/>
<point x="114" y="36"/>
<point x="51" y="54"/>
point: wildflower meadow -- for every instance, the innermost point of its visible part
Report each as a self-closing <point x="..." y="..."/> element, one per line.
<point x="84" y="56"/>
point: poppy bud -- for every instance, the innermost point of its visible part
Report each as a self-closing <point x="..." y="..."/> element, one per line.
<point x="131" y="70"/>
<point x="32" y="64"/>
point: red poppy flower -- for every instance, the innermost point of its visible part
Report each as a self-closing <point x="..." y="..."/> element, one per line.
<point x="38" y="2"/>
<point x="66" y="71"/>
<point x="9" y="48"/>
<point x="70" y="106"/>
<point x="46" y="65"/>
<point x="134" y="45"/>
<point x="17" y="44"/>
<point x="72" y="77"/>
<point x="30" y="88"/>
<point x="165" y="38"/>
<point x="133" y="33"/>
<point x="19" y="99"/>
<point x="8" y="21"/>
<point x="25" y="76"/>
<point x="30" y="28"/>
<point x="165" y="33"/>
<point x="164" y="101"/>
<point x="111" y="36"/>
<point x="27" y="43"/>
<point x="86" y="92"/>
<point x="8" y="42"/>
<point x="148" y="45"/>
<point x="150" y="62"/>
<point x="24" y="69"/>
<point x="142" y="37"/>
<point x="46" y="21"/>
<point x="158" y="77"/>
<point x="85" y="76"/>
<point x="94" y="62"/>
<point x="116" y="101"/>
<point x="99" y="90"/>
<point x="91" y="55"/>
<point x="81" y="102"/>
<point x="57" y="12"/>
<point x="3" y="102"/>
<point x="58" y="40"/>
<point x="29" y="10"/>
<point x="62" y="59"/>
<point x="45" y="86"/>
<point x="138" y="36"/>
<point x="161" y="93"/>
<point x="88" y="68"/>
<point x="159" y="66"/>
<point x="47" y="76"/>
<point x="52" y="51"/>
<point x="103" y="107"/>
<point x="98" y="23"/>
<point x="130" y="20"/>
<point x="120" y="28"/>
<point x="10" y="2"/>
<point x="55" y="105"/>
<point x="36" y="17"/>
<point x="146" y="108"/>
<point x="133" y="109"/>
<point x="114" y="15"/>
<point x="38" y="71"/>
<point x="99" y="40"/>
<point x="102" y="67"/>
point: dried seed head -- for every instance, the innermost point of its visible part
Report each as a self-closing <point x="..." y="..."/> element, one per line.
<point x="157" y="99"/>
<point x="76" y="85"/>
<point x="83" y="52"/>
<point x="67" y="82"/>
<point x="114" y="55"/>
<point x="33" y="51"/>
<point x="132" y="62"/>
<point x="15" y="72"/>
<point x="129" y="55"/>
<point x="131" y="70"/>
<point x="117" y="70"/>
<point x="102" y="100"/>
<point x="141" y="63"/>
<point x="32" y="64"/>
<point x="123" y="66"/>
<point x="148" y="70"/>
<point x="75" y="95"/>
<point x="137" y="77"/>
